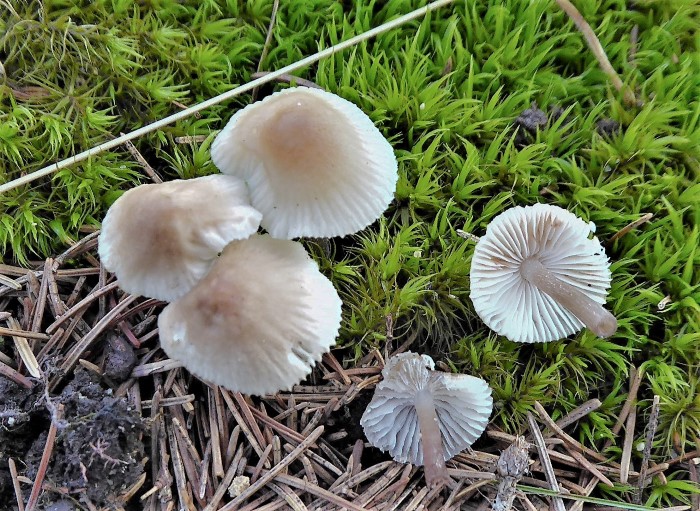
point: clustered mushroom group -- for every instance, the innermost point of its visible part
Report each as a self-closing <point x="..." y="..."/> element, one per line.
<point x="248" y="311"/>
<point x="253" y="313"/>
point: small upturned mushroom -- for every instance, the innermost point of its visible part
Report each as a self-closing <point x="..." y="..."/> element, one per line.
<point x="160" y="239"/>
<point x="258" y="320"/>
<point x="315" y="164"/>
<point x="425" y="417"/>
<point x="537" y="276"/>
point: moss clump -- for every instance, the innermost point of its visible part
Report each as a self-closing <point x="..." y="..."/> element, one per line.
<point x="447" y="92"/>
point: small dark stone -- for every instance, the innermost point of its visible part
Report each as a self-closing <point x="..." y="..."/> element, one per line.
<point x="527" y="124"/>
<point x="532" y="119"/>
<point x="120" y="359"/>
<point x="607" y="127"/>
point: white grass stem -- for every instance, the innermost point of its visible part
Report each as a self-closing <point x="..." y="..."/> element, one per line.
<point x="311" y="59"/>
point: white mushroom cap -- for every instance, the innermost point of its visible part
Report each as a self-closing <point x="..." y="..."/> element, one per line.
<point x="315" y="164"/>
<point x="463" y="404"/>
<point x="557" y="239"/>
<point x="160" y="239"/>
<point x="258" y="321"/>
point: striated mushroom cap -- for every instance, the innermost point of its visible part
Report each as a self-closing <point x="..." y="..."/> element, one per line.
<point x="315" y="164"/>
<point x="553" y="237"/>
<point x="160" y="239"/>
<point x="463" y="404"/>
<point x="258" y="321"/>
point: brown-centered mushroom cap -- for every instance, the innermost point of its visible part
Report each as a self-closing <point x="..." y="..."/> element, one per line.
<point x="314" y="162"/>
<point x="160" y="239"/>
<point x="258" y="321"/>
<point x="536" y="276"/>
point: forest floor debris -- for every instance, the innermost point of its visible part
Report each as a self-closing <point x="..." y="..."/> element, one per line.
<point x="126" y="428"/>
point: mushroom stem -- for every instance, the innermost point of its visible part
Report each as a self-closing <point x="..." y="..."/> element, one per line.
<point x="431" y="438"/>
<point x="596" y="318"/>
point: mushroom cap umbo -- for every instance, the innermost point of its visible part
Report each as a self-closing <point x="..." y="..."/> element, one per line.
<point x="258" y="320"/>
<point x="559" y="240"/>
<point x="315" y="164"/>
<point x="160" y="239"/>
<point x="463" y="405"/>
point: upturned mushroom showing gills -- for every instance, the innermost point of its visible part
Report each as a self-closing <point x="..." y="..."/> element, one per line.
<point x="537" y="276"/>
<point x="258" y="320"/>
<point x="425" y="417"/>
<point x="315" y="164"/>
<point x="160" y="239"/>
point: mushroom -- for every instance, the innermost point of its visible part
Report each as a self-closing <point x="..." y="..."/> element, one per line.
<point x="258" y="320"/>
<point x="160" y="239"/>
<point x="315" y="163"/>
<point x="536" y="276"/>
<point x="425" y="417"/>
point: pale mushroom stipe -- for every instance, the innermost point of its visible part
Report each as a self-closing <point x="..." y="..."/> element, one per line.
<point x="537" y="276"/>
<point x="315" y="164"/>
<point x="258" y="321"/>
<point x="160" y="239"/>
<point x="425" y="417"/>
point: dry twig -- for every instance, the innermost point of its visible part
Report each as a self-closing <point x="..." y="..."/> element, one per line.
<point x="142" y="161"/>
<point x="598" y="51"/>
<point x="629" y="227"/>
<point x="15" y="484"/>
<point x="648" y="441"/>
<point x="271" y="474"/>
<point x="545" y="461"/>
<point x="266" y="45"/>
<point x="44" y="463"/>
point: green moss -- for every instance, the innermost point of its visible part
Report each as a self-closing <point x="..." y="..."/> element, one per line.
<point x="446" y="91"/>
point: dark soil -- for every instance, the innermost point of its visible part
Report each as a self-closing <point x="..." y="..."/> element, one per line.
<point x="19" y="425"/>
<point x="98" y="452"/>
<point x="532" y="119"/>
<point x="349" y="421"/>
